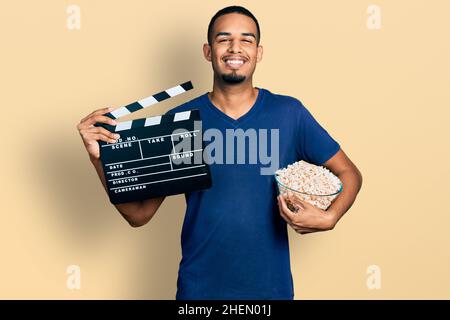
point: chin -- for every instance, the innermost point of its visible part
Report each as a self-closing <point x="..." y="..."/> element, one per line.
<point x="233" y="78"/>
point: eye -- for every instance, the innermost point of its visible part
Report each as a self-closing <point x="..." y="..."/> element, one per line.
<point x="223" y="40"/>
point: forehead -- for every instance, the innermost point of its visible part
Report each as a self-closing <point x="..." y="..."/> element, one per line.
<point x="234" y="23"/>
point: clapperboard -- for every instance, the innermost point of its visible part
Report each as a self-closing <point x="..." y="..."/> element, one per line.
<point x="156" y="156"/>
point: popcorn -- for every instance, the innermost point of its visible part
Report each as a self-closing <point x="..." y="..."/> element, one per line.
<point x="314" y="184"/>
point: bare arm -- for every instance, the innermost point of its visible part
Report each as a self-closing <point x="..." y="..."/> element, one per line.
<point x="351" y="179"/>
<point x="136" y="213"/>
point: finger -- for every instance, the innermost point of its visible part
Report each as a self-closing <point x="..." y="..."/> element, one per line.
<point x="99" y="119"/>
<point x="300" y="204"/>
<point x="296" y="226"/>
<point x="280" y="209"/>
<point x="304" y="229"/>
<point x="309" y="231"/>
<point x="304" y="204"/>
<point x="284" y="208"/>
<point x="295" y="219"/>
<point x="101" y="130"/>
<point x="97" y="112"/>
<point x="286" y="218"/>
<point x="293" y="200"/>
<point x="91" y="138"/>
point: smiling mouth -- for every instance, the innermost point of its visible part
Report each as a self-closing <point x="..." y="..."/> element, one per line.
<point x="234" y="63"/>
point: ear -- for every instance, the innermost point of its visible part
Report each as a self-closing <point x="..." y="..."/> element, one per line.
<point x="207" y="51"/>
<point x="259" y="53"/>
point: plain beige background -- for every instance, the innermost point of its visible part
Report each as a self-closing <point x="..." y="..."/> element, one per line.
<point x="383" y="94"/>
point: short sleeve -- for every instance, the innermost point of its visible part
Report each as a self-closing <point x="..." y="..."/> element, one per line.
<point x="316" y="145"/>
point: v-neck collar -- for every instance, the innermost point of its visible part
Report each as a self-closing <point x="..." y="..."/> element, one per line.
<point x="236" y="122"/>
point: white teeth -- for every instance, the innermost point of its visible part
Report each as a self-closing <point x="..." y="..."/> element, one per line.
<point x="235" y="61"/>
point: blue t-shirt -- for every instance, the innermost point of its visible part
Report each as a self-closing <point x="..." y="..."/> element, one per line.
<point x="234" y="242"/>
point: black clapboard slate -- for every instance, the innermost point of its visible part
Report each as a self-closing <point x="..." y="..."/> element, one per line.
<point x="156" y="156"/>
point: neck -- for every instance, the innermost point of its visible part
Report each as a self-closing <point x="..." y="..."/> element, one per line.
<point x="233" y="100"/>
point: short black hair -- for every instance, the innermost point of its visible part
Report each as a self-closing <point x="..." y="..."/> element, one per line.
<point x="233" y="9"/>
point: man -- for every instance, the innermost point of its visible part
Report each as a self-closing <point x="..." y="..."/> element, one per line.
<point x="234" y="237"/>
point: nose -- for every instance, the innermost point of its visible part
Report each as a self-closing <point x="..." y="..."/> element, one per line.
<point x="234" y="47"/>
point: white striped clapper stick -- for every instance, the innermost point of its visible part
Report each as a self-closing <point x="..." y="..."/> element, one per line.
<point x="142" y="104"/>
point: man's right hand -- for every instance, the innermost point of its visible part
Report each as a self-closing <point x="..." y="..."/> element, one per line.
<point x="137" y="213"/>
<point x="91" y="134"/>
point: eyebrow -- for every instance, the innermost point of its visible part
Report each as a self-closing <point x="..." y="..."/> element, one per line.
<point x="247" y="34"/>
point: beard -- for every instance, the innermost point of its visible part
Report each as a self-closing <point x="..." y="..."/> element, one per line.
<point x="233" y="78"/>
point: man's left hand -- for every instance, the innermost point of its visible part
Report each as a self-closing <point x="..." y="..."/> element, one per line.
<point x="308" y="218"/>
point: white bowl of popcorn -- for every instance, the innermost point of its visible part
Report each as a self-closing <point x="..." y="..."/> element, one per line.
<point x="314" y="184"/>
